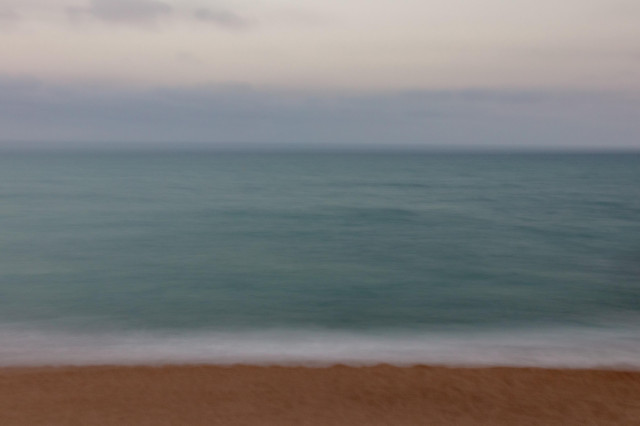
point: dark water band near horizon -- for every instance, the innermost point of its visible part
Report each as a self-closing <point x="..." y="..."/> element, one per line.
<point x="155" y="257"/>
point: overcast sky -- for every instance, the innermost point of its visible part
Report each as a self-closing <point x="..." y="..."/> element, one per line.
<point x="455" y="73"/>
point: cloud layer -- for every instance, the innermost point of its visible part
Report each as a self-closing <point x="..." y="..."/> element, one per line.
<point x="64" y="15"/>
<point x="8" y="16"/>
<point x="221" y="17"/>
<point x="329" y="44"/>
<point x="531" y="73"/>
<point x="34" y="111"/>
<point x="123" y="10"/>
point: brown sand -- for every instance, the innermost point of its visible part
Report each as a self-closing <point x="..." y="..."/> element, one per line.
<point x="381" y="395"/>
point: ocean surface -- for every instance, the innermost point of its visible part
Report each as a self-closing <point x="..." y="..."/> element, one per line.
<point x="315" y="258"/>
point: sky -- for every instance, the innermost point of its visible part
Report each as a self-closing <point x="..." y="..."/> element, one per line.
<point x="418" y="73"/>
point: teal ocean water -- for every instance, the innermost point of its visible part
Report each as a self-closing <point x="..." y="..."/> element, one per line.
<point x="136" y="257"/>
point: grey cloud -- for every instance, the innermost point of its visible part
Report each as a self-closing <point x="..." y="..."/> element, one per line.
<point x="8" y="16"/>
<point x="123" y="10"/>
<point x="31" y="111"/>
<point x="220" y="17"/>
<point x="145" y="11"/>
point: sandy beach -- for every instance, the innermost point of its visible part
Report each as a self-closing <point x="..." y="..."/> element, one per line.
<point x="338" y="395"/>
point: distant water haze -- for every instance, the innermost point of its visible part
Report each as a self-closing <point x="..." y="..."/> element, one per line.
<point x="36" y="113"/>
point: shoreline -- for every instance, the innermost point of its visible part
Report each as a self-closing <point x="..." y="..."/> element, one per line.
<point x="183" y="394"/>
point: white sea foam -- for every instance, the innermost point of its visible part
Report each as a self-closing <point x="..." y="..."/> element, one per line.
<point x="553" y="348"/>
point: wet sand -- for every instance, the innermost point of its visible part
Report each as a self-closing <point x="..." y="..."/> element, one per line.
<point x="339" y="395"/>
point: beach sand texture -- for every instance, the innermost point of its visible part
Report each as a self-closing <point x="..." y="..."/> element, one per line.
<point x="338" y="395"/>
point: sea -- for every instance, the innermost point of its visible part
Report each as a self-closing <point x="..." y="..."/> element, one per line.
<point x="317" y="258"/>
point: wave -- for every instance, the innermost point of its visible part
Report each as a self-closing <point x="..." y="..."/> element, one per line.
<point x="568" y="348"/>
